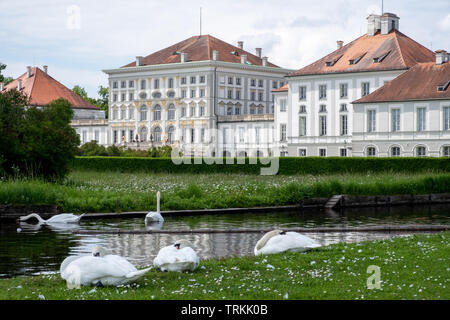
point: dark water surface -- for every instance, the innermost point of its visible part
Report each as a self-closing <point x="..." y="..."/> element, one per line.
<point x="40" y="249"/>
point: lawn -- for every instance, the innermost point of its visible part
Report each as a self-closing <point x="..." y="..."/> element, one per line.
<point x="90" y="191"/>
<point x="413" y="267"/>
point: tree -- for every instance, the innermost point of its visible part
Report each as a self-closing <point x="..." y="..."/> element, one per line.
<point x="4" y="79"/>
<point x="101" y="102"/>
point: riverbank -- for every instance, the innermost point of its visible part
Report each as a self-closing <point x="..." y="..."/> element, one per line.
<point x="91" y="191"/>
<point x="413" y="267"/>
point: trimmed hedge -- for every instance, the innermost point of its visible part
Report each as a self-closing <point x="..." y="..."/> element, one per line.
<point x="287" y="165"/>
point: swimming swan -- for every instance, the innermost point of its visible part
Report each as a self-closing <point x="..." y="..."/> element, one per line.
<point x="277" y="241"/>
<point x="59" y="218"/>
<point x="100" y="269"/>
<point x="153" y="216"/>
<point x="177" y="257"/>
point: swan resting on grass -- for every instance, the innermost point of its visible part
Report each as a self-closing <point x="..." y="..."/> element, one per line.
<point x="177" y="257"/>
<point x="277" y="241"/>
<point x="99" y="269"/>
<point x="56" y="219"/>
<point x="155" y="216"/>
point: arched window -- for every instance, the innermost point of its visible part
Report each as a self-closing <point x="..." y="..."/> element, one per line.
<point x="157" y="134"/>
<point x="131" y="113"/>
<point x="157" y="112"/>
<point x="171" y="112"/>
<point x="143" y="112"/>
<point x="123" y="113"/>
<point x="395" y="151"/>
<point x="371" y="152"/>
<point x="446" y="151"/>
<point x="144" y="132"/>
<point x="421" y="151"/>
<point x="242" y="154"/>
<point x="171" y="134"/>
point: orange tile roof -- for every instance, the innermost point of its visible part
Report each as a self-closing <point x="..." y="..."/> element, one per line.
<point x="418" y="83"/>
<point x="282" y="89"/>
<point x="42" y="89"/>
<point x="403" y="53"/>
<point x="199" y="48"/>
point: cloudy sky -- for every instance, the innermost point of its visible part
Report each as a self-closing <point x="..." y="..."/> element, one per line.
<point x="79" y="38"/>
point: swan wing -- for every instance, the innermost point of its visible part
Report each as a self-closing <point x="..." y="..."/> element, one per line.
<point x="64" y="218"/>
<point x="154" y="216"/>
<point x="291" y="241"/>
<point x="65" y="263"/>
<point x="119" y="264"/>
<point x="173" y="259"/>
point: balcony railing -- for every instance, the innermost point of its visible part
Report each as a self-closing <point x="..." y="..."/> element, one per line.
<point x="246" y="117"/>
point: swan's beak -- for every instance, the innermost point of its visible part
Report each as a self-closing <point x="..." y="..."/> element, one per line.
<point x="177" y="245"/>
<point x="97" y="254"/>
<point x="283" y="232"/>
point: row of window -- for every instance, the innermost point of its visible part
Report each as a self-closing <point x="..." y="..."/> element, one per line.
<point x="193" y="93"/>
<point x="84" y="136"/>
<point x="243" y="136"/>
<point x="156" y="135"/>
<point x="157" y="111"/>
<point x="343" y="91"/>
<point x="302" y="108"/>
<point x="394" y="151"/>
<point x="156" y="82"/>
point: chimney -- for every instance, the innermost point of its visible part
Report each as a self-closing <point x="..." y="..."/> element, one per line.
<point x="441" y="56"/>
<point x="243" y="58"/>
<point x="45" y="69"/>
<point x="2" y="86"/>
<point x="241" y="45"/>
<point x="340" y="44"/>
<point x="184" y="57"/>
<point x="19" y="84"/>
<point x="389" y="21"/>
<point x="373" y="24"/>
<point x="29" y="71"/>
<point x="264" y="61"/>
<point x="139" y="61"/>
<point x="215" y="55"/>
<point x="258" y="52"/>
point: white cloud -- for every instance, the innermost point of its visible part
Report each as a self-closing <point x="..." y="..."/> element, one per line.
<point x="444" y="24"/>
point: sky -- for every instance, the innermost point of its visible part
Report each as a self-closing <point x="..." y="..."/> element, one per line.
<point x="78" y="39"/>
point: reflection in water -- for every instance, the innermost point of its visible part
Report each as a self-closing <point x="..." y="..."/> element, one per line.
<point x="42" y="248"/>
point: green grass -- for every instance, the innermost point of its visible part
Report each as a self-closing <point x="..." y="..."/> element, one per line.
<point x="88" y="191"/>
<point x="413" y="267"/>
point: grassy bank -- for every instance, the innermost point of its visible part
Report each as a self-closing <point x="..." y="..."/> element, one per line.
<point x="90" y="191"/>
<point x="413" y="267"/>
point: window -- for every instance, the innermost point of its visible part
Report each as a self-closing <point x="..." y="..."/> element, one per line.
<point x="322" y="91"/>
<point x="114" y="136"/>
<point x="322" y="125"/>
<point x="183" y="111"/>
<point x="229" y="111"/>
<point x="343" y="152"/>
<point x="302" y="109"/>
<point x="371" y="114"/>
<point x="156" y="95"/>
<point x="395" y="119"/>
<point x="171" y="94"/>
<point x="241" y="134"/>
<point x="202" y="135"/>
<point x="230" y="94"/>
<point x="395" y="151"/>
<point x="114" y="97"/>
<point x="202" y="79"/>
<point x="192" y="111"/>
<point x="144" y="134"/>
<point x="84" y="134"/>
<point x="131" y="135"/>
<point x="365" y="89"/>
<point x="183" y="134"/>
<point x="446" y="112"/>
<point x="260" y="96"/>
<point x="322" y="152"/>
<point x="123" y="137"/>
<point x="343" y="90"/>
<point x="343" y="107"/>
<point x="183" y="93"/>
<point x="302" y="93"/>
<point x="260" y="83"/>
<point x="202" y="111"/>
<point x="123" y="114"/>
<point x="202" y="93"/>
<point x="123" y="96"/>
<point x="230" y="80"/>
<point x="157" y="134"/>
<point x="157" y="113"/>
<point x="131" y="84"/>
<point x="322" y="108"/>
<point x="156" y="84"/>
<point x="302" y="126"/>
<point x="143" y="84"/>
<point x="260" y="109"/>
<point x="238" y="81"/>
<point x="446" y="151"/>
<point x="170" y="85"/>
<point x="123" y="84"/>
<point x="116" y="114"/>
<point x="283" y="132"/>
<point x="143" y="113"/>
<point x="252" y="110"/>
<point x="238" y="94"/>
<point x="131" y="113"/>
<point x="193" y="79"/>
<point x="302" y="152"/>
<point x="224" y="137"/>
<point x="421" y="151"/>
<point x="170" y="134"/>
<point x="344" y="125"/>
<point x="257" y="131"/>
<point x="171" y="112"/>
<point x="192" y="135"/>
<point x="371" y="152"/>
<point x="283" y="105"/>
<point x="183" y="80"/>
<point x="421" y="119"/>
<point x="115" y="85"/>
<point x="142" y="95"/>
<point x="97" y="135"/>
<point x="237" y="110"/>
<point x="252" y="82"/>
<point x="192" y="93"/>
<point x="252" y="96"/>
<point x="130" y="96"/>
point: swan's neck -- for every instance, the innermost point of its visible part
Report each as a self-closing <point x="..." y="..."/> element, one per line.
<point x="32" y="215"/>
<point x="158" y="196"/>
<point x="262" y="242"/>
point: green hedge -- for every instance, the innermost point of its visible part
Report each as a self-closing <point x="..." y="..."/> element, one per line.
<point x="287" y="165"/>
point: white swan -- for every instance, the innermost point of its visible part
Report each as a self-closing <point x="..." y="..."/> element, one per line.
<point x="277" y="241"/>
<point x="177" y="257"/>
<point x="59" y="218"/>
<point x="100" y="269"/>
<point x="155" y="216"/>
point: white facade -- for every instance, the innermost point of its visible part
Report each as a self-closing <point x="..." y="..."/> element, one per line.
<point x="189" y="104"/>
<point x="415" y="128"/>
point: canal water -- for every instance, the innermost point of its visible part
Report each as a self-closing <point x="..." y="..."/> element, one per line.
<point x="41" y="249"/>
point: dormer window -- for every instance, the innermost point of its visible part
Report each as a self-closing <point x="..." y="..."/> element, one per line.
<point x="380" y="58"/>
<point x="444" y="86"/>
<point x="333" y="62"/>
<point x="357" y="59"/>
<point x="235" y="53"/>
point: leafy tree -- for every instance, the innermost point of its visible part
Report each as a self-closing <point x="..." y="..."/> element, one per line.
<point x="92" y="148"/>
<point x="4" y="79"/>
<point x="101" y="102"/>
